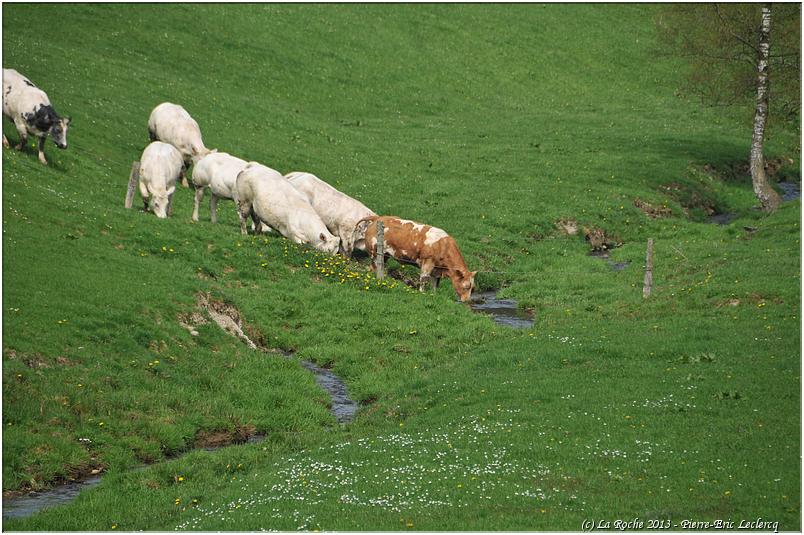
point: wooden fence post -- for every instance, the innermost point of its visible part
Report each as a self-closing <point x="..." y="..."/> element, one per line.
<point x="132" y="183"/>
<point x="648" y="286"/>
<point x="379" y="254"/>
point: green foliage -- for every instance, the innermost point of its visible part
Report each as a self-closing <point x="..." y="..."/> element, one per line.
<point x="490" y="121"/>
<point x="720" y="43"/>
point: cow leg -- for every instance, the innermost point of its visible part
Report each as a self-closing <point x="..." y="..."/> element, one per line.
<point x="199" y="194"/>
<point x="6" y="144"/>
<point x="213" y="208"/>
<point x="42" y="150"/>
<point x="183" y="175"/>
<point x="424" y="278"/>
<point x="435" y="280"/>
<point x="243" y="210"/>
<point x="257" y="223"/>
<point x="22" y="130"/>
<point x="144" y="194"/>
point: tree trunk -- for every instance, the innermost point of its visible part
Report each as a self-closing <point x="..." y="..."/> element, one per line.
<point x="765" y="193"/>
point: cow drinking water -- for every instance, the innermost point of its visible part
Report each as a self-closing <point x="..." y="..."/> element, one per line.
<point x="430" y="248"/>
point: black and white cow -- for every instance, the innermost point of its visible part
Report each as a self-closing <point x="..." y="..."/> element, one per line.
<point x="29" y="109"/>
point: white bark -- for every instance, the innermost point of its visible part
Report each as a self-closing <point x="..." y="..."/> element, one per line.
<point x="767" y="196"/>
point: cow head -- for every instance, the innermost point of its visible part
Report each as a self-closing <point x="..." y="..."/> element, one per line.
<point x="159" y="206"/>
<point x="161" y="202"/>
<point x="58" y="132"/>
<point x="464" y="283"/>
<point x="328" y="245"/>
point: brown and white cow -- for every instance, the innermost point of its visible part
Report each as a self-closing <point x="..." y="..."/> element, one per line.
<point x="430" y="248"/>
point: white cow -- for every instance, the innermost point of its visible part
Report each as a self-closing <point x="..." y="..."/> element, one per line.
<point x="172" y="124"/>
<point x="29" y="109"/>
<point x="161" y="166"/>
<point x="338" y="211"/>
<point x="217" y="171"/>
<point x="268" y="198"/>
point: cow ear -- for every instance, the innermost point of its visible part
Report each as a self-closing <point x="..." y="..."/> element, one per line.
<point x="473" y="273"/>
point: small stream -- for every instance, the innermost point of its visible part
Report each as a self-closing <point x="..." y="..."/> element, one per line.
<point x="790" y="190"/>
<point x="502" y="311"/>
<point x="343" y="408"/>
<point x="604" y="255"/>
<point x="33" y="502"/>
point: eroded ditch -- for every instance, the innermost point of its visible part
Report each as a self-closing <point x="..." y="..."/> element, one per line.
<point x="228" y="318"/>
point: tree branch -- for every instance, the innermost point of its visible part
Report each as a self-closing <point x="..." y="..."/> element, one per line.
<point x="733" y="34"/>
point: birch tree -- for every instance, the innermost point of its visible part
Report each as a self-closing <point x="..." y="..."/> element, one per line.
<point x="738" y="57"/>
<point x="767" y="196"/>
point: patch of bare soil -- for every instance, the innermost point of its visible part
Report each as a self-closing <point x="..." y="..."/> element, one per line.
<point x="192" y="320"/>
<point x="400" y="275"/>
<point x="224" y="314"/>
<point x="567" y="226"/>
<point x="652" y="211"/>
<point x="599" y="240"/>
<point x="728" y="302"/>
<point x="689" y="198"/>
<point x="223" y="437"/>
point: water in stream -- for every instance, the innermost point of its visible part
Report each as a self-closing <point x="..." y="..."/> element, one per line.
<point x="503" y="311"/>
<point x="35" y="501"/>
<point x="790" y="190"/>
<point x="342" y="407"/>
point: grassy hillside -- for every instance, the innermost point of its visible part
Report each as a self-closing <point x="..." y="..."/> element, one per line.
<point x="490" y="121"/>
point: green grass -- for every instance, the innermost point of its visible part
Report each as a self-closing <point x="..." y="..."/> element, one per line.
<point x="490" y="121"/>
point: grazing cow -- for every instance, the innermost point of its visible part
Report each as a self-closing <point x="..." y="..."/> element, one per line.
<point x="161" y="166"/>
<point x="430" y="248"/>
<point x="339" y="212"/>
<point x="29" y="109"/>
<point x="172" y="124"/>
<point x="268" y="198"/>
<point x="217" y="171"/>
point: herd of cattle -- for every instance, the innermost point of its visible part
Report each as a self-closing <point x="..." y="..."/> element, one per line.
<point x="300" y="206"/>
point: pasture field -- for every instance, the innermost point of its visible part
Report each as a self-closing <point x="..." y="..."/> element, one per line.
<point x="492" y="122"/>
